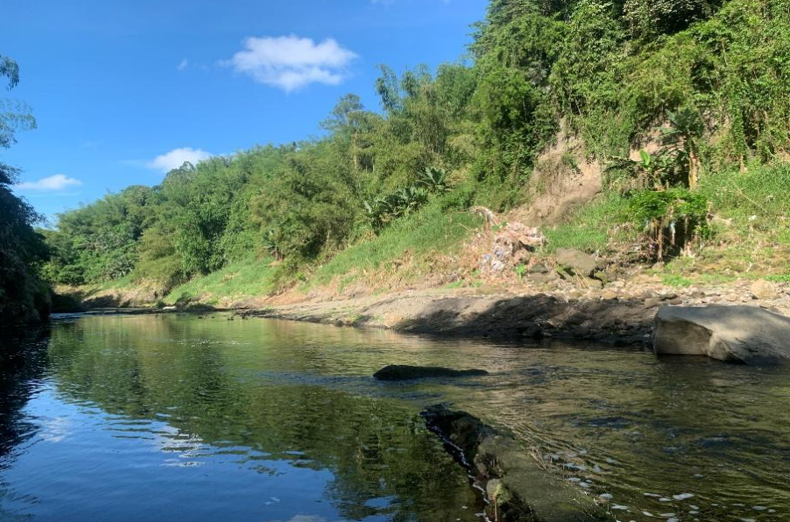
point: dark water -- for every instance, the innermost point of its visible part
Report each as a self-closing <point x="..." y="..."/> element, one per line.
<point x="163" y="418"/>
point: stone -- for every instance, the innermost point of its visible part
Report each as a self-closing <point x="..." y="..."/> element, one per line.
<point x="518" y="487"/>
<point x="403" y="372"/>
<point x="577" y="261"/>
<point x="738" y="334"/>
<point x="592" y="283"/>
<point x="538" y="268"/>
<point x="762" y="289"/>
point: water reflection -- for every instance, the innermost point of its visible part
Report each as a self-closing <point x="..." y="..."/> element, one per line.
<point x="178" y="415"/>
<point x="168" y="417"/>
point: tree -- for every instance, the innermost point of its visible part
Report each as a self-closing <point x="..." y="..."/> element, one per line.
<point x="23" y="297"/>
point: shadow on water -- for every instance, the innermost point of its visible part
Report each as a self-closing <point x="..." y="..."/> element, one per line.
<point x="23" y="354"/>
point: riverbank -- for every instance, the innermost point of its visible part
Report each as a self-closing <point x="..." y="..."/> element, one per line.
<point x="620" y="313"/>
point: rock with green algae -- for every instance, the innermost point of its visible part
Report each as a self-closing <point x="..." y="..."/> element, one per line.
<point x="517" y="487"/>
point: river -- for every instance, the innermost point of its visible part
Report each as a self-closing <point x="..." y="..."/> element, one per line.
<point x="201" y="418"/>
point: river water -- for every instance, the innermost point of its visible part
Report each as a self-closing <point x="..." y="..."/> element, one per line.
<point x="200" y="418"/>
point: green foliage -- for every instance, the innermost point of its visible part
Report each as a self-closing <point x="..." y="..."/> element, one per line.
<point x="671" y="219"/>
<point x="751" y="204"/>
<point x="23" y="296"/>
<point x="706" y="82"/>
<point x="596" y="227"/>
<point x="432" y="230"/>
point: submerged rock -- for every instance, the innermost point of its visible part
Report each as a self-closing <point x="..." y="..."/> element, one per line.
<point x="517" y="487"/>
<point x="739" y="334"/>
<point x="403" y="372"/>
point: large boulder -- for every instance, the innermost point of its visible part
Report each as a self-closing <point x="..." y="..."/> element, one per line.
<point x="517" y="486"/>
<point x="403" y="372"/>
<point x="577" y="261"/>
<point x="738" y="334"/>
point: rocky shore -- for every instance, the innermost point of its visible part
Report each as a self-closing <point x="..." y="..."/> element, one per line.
<point x="622" y="313"/>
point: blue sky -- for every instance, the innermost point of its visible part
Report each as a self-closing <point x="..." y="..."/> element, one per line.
<point x="123" y="89"/>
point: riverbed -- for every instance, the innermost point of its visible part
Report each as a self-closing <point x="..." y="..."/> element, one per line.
<point x="204" y="418"/>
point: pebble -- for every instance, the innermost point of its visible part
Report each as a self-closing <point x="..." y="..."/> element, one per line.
<point x="682" y="496"/>
<point x="619" y="507"/>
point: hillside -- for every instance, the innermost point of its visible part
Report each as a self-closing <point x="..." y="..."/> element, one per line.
<point x="651" y="136"/>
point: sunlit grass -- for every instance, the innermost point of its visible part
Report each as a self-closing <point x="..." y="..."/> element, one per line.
<point x="250" y="278"/>
<point x="429" y="231"/>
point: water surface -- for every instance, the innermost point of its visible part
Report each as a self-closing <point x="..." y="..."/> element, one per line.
<point x="181" y="417"/>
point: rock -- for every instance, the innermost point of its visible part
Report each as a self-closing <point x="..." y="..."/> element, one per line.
<point x="543" y="278"/>
<point x="593" y="283"/>
<point x="739" y="334"/>
<point x="517" y="486"/>
<point x="580" y="263"/>
<point x="402" y="372"/>
<point x="762" y="289"/>
<point x="538" y="268"/>
<point x="652" y="302"/>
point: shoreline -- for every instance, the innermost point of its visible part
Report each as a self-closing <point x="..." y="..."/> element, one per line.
<point x="615" y="315"/>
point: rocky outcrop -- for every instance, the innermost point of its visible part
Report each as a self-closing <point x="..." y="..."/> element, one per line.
<point x="738" y="334"/>
<point x="516" y="487"/>
<point x="402" y="372"/>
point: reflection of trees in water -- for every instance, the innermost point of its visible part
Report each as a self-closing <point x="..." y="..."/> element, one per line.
<point x="205" y="375"/>
<point x="22" y="364"/>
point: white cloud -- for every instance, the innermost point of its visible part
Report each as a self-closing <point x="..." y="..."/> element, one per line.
<point x="56" y="182"/>
<point x="176" y="157"/>
<point x="183" y="64"/>
<point x="291" y="62"/>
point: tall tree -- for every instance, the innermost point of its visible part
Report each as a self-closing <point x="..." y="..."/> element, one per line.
<point x="22" y="295"/>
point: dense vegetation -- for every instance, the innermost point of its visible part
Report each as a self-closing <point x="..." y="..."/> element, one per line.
<point x="23" y="296"/>
<point x="706" y="82"/>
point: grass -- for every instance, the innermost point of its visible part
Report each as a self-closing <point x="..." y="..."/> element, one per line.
<point x="593" y="227"/>
<point x="750" y="238"/>
<point x="429" y="231"/>
<point x="251" y="277"/>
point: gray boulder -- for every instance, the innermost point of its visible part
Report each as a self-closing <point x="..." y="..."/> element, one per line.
<point x="580" y="263"/>
<point x="402" y="372"/>
<point x="738" y="334"/>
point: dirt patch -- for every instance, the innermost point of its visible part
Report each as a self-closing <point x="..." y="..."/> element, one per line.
<point x="564" y="179"/>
